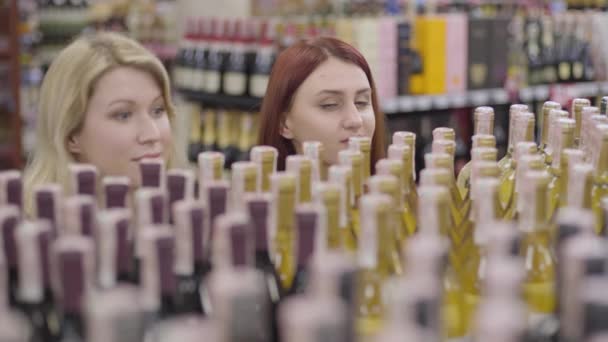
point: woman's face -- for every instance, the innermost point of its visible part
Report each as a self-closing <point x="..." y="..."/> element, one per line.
<point x="126" y="120"/>
<point x="333" y="104"/>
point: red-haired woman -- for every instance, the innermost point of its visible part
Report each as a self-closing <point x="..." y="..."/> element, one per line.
<point x="321" y="90"/>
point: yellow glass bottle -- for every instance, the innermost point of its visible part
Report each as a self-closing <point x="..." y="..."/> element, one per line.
<point x="524" y="125"/>
<point x="580" y="184"/>
<point x="505" y="163"/>
<point x="600" y="183"/>
<point x="544" y="121"/>
<point x="389" y="185"/>
<point x="535" y="248"/>
<point x="486" y="213"/>
<point x="408" y="139"/>
<point x="446" y="161"/>
<point x="374" y="262"/>
<point x="363" y="145"/>
<point x="553" y="135"/>
<point x="526" y="159"/>
<point x="477" y="154"/>
<point x="569" y="158"/>
<point x="577" y="115"/>
<point x="462" y="181"/>
<point x="564" y="138"/>
<point x="265" y="158"/>
<point x="301" y="166"/>
<point x="282" y="230"/>
<point x="409" y="190"/>
<point x="327" y="196"/>
<point x="354" y="160"/>
<point x="342" y="176"/>
<point x="314" y="150"/>
<point x="394" y="167"/>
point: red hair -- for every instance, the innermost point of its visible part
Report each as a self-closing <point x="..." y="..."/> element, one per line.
<point x="290" y="70"/>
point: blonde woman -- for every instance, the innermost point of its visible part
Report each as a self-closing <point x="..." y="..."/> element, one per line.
<point x="106" y="101"/>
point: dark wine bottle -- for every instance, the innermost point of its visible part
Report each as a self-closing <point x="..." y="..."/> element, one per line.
<point x="189" y="220"/>
<point x="80" y="216"/>
<point x="73" y="262"/>
<point x="34" y="297"/>
<point x="9" y="219"/>
<point x="115" y="315"/>
<point x="47" y="205"/>
<point x="180" y="186"/>
<point x="158" y="283"/>
<point x="84" y="179"/>
<point x="264" y="60"/>
<point x="152" y="173"/>
<point x="307" y="222"/>
<point x="11" y="188"/>
<point x="116" y="190"/>
<point x="235" y="73"/>
<point x="114" y="239"/>
<point x="201" y="47"/>
<point x="181" y="66"/>
<point x="548" y="51"/>
<point x="213" y="67"/>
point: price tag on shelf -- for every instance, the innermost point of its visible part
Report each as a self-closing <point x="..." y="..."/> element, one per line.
<point x="500" y="96"/>
<point x="424" y="103"/>
<point x="526" y="94"/>
<point x="458" y="100"/>
<point x="390" y="105"/>
<point x="441" y="102"/>
<point x="406" y="104"/>
<point x="480" y="97"/>
<point x="541" y="93"/>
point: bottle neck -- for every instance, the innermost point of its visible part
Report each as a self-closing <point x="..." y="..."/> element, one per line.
<point x="602" y="163"/>
<point x="332" y="216"/>
<point x="305" y="194"/>
<point x="533" y="216"/>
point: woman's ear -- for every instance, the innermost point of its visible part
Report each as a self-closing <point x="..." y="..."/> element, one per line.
<point x="286" y="131"/>
<point x="73" y="144"/>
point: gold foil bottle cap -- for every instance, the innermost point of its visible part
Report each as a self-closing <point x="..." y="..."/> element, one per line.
<point x="444" y="146"/>
<point x="444" y="133"/>
<point x="484" y="140"/>
<point x="404" y="138"/>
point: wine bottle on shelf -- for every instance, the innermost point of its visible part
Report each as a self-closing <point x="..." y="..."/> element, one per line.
<point x="314" y="150"/>
<point x="73" y="280"/>
<point x="235" y="73"/>
<point x="375" y="261"/>
<point x="152" y="172"/>
<point x="580" y="182"/>
<point x="209" y="130"/>
<point x="563" y="48"/>
<point x="198" y="60"/>
<point x="533" y="50"/>
<point x="225" y="119"/>
<point x="84" y="179"/>
<point x="308" y="221"/>
<point x="553" y="134"/>
<point x="114" y="238"/>
<point x="115" y="315"/>
<point x="34" y="296"/>
<point x="180" y="186"/>
<point x="440" y="160"/>
<point x="342" y="176"/>
<point x="216" y="203"/>
<point x="244" y="181"/>
<point x="47" y="205"/>
<point x="406" y="154"/>
<point x="464" y="176"/>
<point x="115" y="191"/>
<point x="409" y="139"/>
<point x="569" y="158"/>
<point x="10" y="217"/>
<point x="444" y="133"/>
<point x="210" y="169"/>
<point x="11" y="188"/>
<point x="600" y="184"/>
<point x="505" y="163"/>
<point x="215" y="59"/>
<point x="363" y="145"/>
<point x="265" y="158"/>
<point x="564" y="139"/>
<point x="246" y="135"/>
<point x="524" y="126"/>
<point x="264" y="60"/>
<point x="158" y="282"/>
<point x="442" y="146"/>
<point x="190" y="266"/>
<point x="539" y="286"/>
<point x="577" y="114"/>
<point x="394" y="167"/>
<point x="586" y="114"/>
<point x="354" y="160"/>
<point x="327" y="196"/>
<point x="526" y="160"/>
<point x="80" y="216"/>
<point x="181" y="67"/>
<point x="313" y="319"/>
<point x="301" y="167"/>
<point x="548" y="51"/>
<point x="544" y="126"/>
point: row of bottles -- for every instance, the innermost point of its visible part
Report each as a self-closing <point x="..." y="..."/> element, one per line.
<point x="232" y="133"/>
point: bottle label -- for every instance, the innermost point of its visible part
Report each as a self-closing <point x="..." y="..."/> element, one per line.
<point x="258" y="84"/>
<point x="212" y="83"/>
<point x="198" y="80"/>
<point x="235" y="83"/>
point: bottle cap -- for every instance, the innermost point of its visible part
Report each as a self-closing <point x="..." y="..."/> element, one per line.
<point x="152" y="172"/>
<point x="84" y="179"/>
<point x="11" y="188"/>
<point x="116" y="189"/>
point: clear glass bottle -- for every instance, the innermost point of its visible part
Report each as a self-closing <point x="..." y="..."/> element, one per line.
<point x="301" y="166"/>
<point x="406" y="155"/>
<point x="265" y="158"/>
<point x="505" y="163"/>
<point x="544" y="124"/>
<point x="577" y="115"/>
<point x="479" y="140"/>
<point x="342" y="176"/>
<point x="282" y="228"/>
<point x="446" y="161"/>
<point x="314" y="150"/>
<point x="363" y="145"/>
<point x="564" y="139"/>
<point x="571" y="158"/>
<point x="526" y="158"/>
<point x="354" y="160"/>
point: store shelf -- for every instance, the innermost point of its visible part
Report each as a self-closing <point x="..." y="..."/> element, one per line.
<point x="493" y="97"/>
<point x="242" y="103"/>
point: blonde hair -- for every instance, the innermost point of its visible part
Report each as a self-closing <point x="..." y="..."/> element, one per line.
<point x="64" y="97"/>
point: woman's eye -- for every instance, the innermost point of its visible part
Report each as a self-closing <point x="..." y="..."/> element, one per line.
<point x="362" y="104"/>
<point x="159" y="111"/>
<point x="122" y="116"/>
<point x="328" y="106"/>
